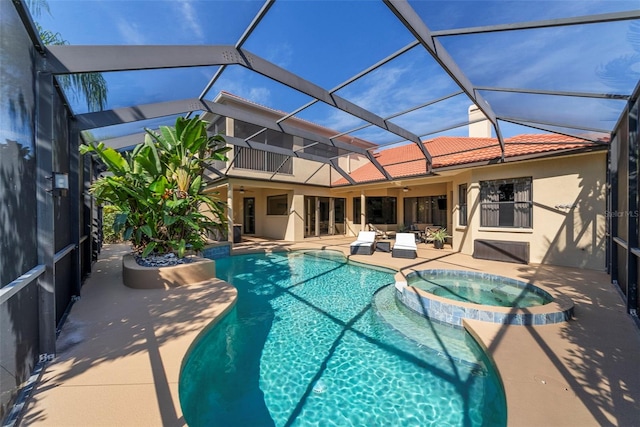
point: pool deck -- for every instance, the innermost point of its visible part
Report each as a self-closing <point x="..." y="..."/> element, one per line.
<point x="120" y="350"/>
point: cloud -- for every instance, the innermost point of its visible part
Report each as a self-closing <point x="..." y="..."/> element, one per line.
<point x="402" y="84"/>
<point x="552" y="58"/>
<point x="371" y="93"/>
<point x="280" y="54"/>
<point x="259" y="95"/>
<point x="130" y="32"/>
<point x="189" y="19"/>
<point x="379" y="86"/>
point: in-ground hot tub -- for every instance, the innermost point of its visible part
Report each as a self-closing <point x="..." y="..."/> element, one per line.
<point x="479" y="288"/>
<point x="449" y="296"/>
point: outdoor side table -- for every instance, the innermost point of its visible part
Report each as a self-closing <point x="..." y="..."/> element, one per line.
<point x="383" y="245"/>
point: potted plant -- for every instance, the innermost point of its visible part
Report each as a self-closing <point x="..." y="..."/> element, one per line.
<point x="157" y="189"/>
<point x="439" y="236"/>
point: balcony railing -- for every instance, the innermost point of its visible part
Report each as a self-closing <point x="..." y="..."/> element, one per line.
<point x="258" y="160"/>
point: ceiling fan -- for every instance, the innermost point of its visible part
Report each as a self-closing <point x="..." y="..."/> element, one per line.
<point x="242" y="190"/>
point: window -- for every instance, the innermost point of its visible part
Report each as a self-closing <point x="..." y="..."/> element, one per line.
<point x="357" y="210"/>
<point x="462" y="204"/>
<point x="319" y="149"/>
<point x="506" y="203"/>
<point x="426" y="210"/>
<point x="220" y="126"/>
<point x="277" y="205"/>
<point x="381" y="210"/>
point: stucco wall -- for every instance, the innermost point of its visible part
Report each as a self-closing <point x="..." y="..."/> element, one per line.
<point x="272" y="226"/>
<point x="568" y="212"/>
<point x="569" y="206"/>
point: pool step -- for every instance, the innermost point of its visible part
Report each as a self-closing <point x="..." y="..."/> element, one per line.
<point x="444" y="341"/>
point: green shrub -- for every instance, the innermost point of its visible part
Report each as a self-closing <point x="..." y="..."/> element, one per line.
<point x="157" y="189"/>
<point x="109" y="213"/>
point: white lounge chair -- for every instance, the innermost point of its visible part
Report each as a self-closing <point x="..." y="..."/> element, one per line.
<point x="365" y="243"/>
<point x="405" y="246"/>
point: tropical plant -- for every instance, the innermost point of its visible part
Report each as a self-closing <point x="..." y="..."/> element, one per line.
<point x="440" y="235"/>
<point x="621" y="72"/>
<point x="109" y="213"/>
<point x="157" y="188"/>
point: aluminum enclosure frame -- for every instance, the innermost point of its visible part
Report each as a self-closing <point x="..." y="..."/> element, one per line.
<point x="70" y="59"/>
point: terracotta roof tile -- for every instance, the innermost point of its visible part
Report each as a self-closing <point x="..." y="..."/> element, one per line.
<point x="407" y="160"/>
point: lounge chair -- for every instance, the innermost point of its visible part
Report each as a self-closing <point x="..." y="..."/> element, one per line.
<point x="405" y="246"/>
<point x="365" y="243"/>
<point x="379" y="233"/>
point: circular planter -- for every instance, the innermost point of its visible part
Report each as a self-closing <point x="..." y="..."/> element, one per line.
<point x="139" y="277"/>
<point x="438" y="244"/>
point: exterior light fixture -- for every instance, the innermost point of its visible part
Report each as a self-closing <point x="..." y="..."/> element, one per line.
<point x="241" y="190"/>
<point x="405" y="189"/>
<point x="60" y="183"/>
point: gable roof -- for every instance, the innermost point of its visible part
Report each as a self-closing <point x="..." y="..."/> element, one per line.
<point x="447" y="151"/>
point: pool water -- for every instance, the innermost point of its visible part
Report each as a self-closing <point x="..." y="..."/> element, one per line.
<point x="480" y="289"/>
<point x="308" y="344"/>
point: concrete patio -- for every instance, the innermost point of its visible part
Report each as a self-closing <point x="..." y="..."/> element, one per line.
<point x="120" y="350"/>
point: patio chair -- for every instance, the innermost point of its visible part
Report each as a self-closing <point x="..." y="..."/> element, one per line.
<point x="379" y="233"/>
<point x="405" y="246"/>
<point x="428" y="233"/>
<point x="364" y="244"/>
<point x="417" y="232"/>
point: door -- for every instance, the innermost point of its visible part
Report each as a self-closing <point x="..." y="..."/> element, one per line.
<point x="339" y="220"/>
<point x="249" y="215"/>
<point x="324" y="215"/>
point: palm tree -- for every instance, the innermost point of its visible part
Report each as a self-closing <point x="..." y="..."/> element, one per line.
<point x="92" y="86"/>
<point x="620" y="71"/>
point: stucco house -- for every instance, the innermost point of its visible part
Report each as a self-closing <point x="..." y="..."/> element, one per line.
<point x="543" y="202"/>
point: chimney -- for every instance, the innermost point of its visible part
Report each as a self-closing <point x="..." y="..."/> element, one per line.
<point x="479" y="129"/>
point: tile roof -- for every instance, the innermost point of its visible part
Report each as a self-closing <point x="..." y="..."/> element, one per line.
<point x="407" y="160"/>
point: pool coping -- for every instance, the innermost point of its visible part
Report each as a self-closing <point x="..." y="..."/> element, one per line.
<point x="573" y="373"/>
<point x="536" y="363"/>
<point x="529" y="369"/>
<point x="121" y="350"/>
<point x="560" y="309"/>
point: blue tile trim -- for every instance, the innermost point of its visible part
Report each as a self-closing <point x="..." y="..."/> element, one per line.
<point x="216" y="252"/>
<point x="453" y="314"/>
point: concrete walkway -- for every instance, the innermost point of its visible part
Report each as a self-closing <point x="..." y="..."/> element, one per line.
<point x="120" y="351"/>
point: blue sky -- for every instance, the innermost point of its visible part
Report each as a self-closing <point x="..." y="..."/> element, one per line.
<point x="326" y="42"/>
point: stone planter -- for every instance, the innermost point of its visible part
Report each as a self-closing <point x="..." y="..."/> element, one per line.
<point x="139" y="277"/>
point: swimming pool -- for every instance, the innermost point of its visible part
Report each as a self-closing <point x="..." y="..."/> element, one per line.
<point x="306" y="345"/>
